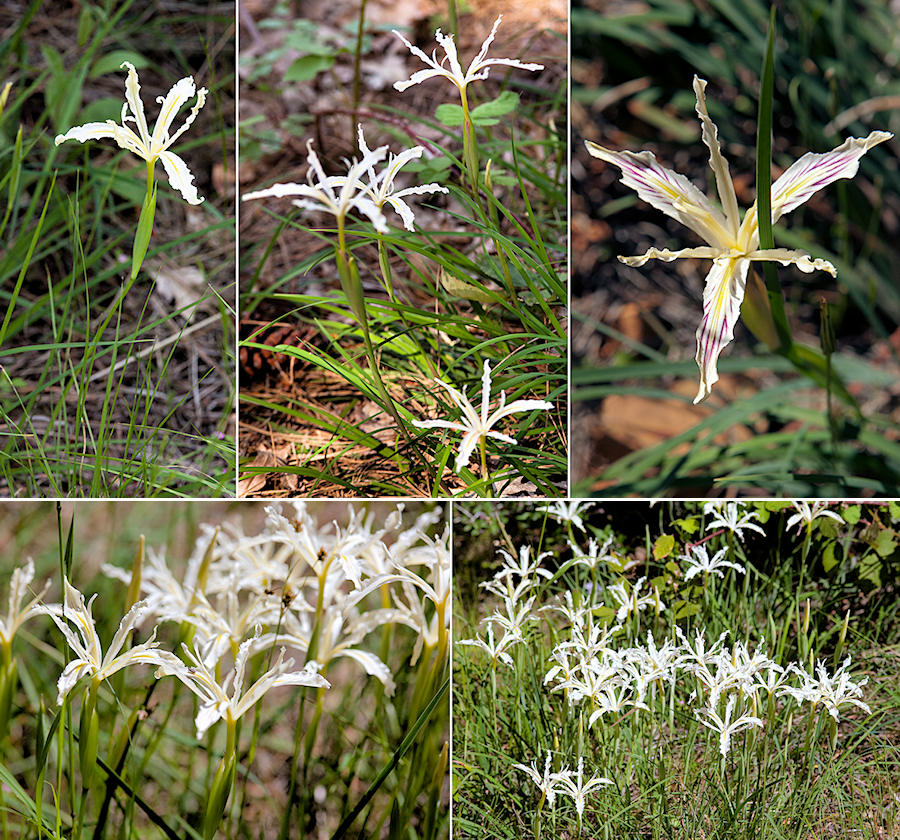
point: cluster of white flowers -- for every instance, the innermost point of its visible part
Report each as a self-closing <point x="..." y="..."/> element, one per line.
<point x="514" y="581"/>
<point x="600" y="674"/>
<point x="591" y="671"/>
<point x="296" y="584"/>
<point x="566" y="782"/>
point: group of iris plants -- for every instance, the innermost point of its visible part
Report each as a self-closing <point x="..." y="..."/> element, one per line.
<point x="116" y="319"/>
<point x="807" y="408"/>
<point x="438" y="291"/>
<point x="690" y="670"/>
<point x="288" y="677"/>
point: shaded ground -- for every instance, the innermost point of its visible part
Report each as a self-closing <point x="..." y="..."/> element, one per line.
<point x="280" y="433"/>
<point x="177" y="384"/>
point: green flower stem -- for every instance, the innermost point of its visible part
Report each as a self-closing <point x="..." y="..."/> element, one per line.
<point x="222" y="784"/>
<point x="118" y="752"/>
<point x="384" y="263"/>
<point x="451" y="12"/>
<point x="8" y="681"/>
<point x="485" y="475"/>
<point x="352" y="286"/>
<point x="357" y="56"/>
<point x="764" y="188"/>
<point x="7" y="688"/>
<point x="387" y="277"/>
<point x="501" y="250"/>
<point x="470" y="144"/>
<point x="300" y="739"/>
<point x="387" y="635"/>
<point x="88" y="735"/>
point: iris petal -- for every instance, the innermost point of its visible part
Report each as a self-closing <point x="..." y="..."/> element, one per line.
<point x="722" y="299"/>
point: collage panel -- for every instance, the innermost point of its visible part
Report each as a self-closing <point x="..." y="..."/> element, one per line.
<point x="212" y="669"/>
<point x="403" y="250"/>
<point x="341" y="575"/>
<point x="117" y="249"/>
<point x="676" y="669"/>
<point x="713" y="353"/>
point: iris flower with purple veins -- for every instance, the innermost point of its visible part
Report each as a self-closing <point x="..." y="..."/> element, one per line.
<point x="732" y="243"/>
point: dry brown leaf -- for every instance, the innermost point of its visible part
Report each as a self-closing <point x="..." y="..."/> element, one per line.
<point x="251" y="484"/>
<point x="180" y="285"/>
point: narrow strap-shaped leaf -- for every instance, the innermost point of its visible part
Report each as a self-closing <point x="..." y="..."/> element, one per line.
<point x="144" y="229"/>
<point x="764" y="188"/>
<point x="405" y="744"/>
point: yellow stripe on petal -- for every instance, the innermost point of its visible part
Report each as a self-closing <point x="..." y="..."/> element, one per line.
<point x="178" y="94"/>
<point x="669" y="192"/>
<point x="710" y="136"/>
<point x="802" y="260"/>
<point x="89" y="131"/>
<point x="704" y="252"/>
<point x="133" y="96"/>
<point x="722" y="298"/>
<point x="813" y="171"/>
<point x="180" y="177"/>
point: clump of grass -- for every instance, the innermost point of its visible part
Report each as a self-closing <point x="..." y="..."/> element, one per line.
<point x="711" y="671"/>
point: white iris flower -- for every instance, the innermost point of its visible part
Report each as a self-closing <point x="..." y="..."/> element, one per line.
<point x="449" y="67"/>
<point x="228" y="699"/>
<point x="477" y="426"/>
<point x="732" y="243"/>
<point x="577" y="788"/>
<point x="17" y="615"/>
<point x="335" y="194"/>
<point x="90" y="658"/>
<point x="381" y="184"/>
<point x="727" y="726"/>
<point x="701" y="562"/>
<point x="147" y="146"/>
<point x="806" y="513"/>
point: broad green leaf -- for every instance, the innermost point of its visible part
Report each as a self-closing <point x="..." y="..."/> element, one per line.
<point x="505" y="103"/>
<point x="459" y="288"/>
<point x="105" y="108"/>
<point x="688" y="525"/>
<point x="111" y="62"/>
<point x="829" y="561"/>
<point x="683" y="609"/>
<point x="451" y="115"/>
<point x="604" y="613"/>
<point x="663" y="546"/>
<point x="308" y="67"/>
<point x="870" y="570"/>
<point x="62" y="92"/>
<point x="885" y="543"/>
